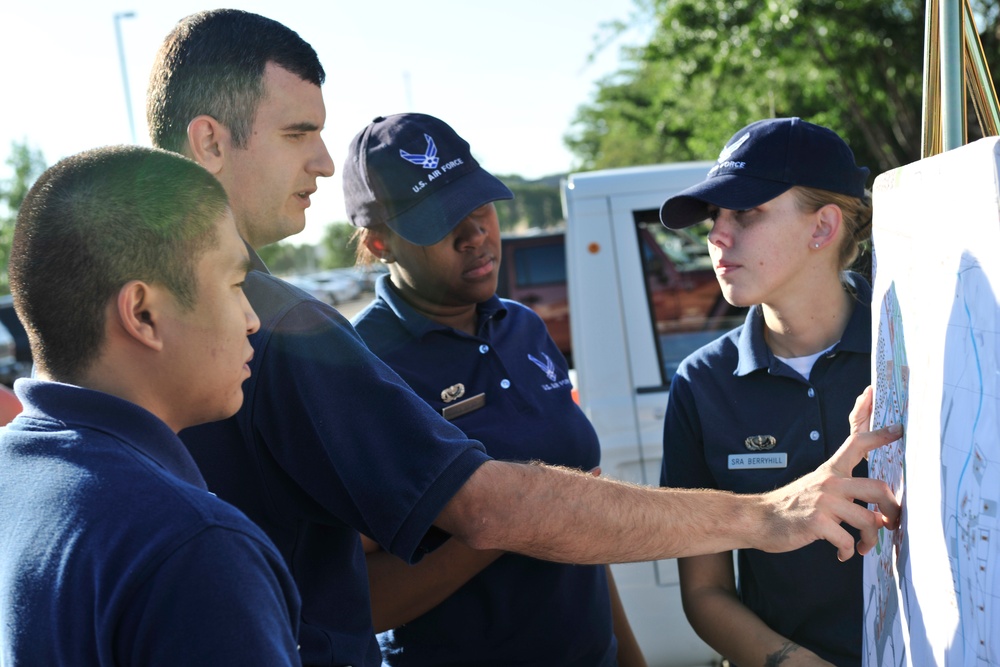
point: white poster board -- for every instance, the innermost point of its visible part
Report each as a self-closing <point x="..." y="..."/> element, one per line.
<point x="932" y="589"/>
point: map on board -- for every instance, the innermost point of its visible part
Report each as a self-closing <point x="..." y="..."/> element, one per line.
<point x="890" y="554"/>
<point x="932" y="588"/>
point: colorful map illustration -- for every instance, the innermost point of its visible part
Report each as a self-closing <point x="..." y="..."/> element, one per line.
<point x="882" y="613"/>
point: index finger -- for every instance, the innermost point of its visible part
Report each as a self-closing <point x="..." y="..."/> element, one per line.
<point x="859" y="444"/>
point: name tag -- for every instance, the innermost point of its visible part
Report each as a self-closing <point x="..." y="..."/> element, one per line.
<point x="464" y="407"/>
<point x="755" y="461"/>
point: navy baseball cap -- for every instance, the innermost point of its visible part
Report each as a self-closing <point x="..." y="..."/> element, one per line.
<point x="764" y="160"/>
<point x="414" y="173"/>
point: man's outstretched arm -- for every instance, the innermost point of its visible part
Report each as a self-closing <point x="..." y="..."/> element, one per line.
<point x="570" y="516"/>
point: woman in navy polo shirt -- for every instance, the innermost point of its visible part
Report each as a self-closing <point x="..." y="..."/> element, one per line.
<point x="769" y="401"/>
<point x="489" y="366"/>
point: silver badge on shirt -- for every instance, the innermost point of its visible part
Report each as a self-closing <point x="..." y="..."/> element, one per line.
<point x="453" y="393"/>
<point x="760" y="443"/>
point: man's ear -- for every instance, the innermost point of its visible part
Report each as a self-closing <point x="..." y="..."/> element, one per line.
<point x="208" y="140"/>
<point x="139" y="313"/>
<point x="828" y="221"/>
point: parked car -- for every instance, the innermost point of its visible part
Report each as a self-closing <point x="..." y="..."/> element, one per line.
<point x="340" y="284"/>
<point x="311" y="287"/>
<point x="367" y="275"/>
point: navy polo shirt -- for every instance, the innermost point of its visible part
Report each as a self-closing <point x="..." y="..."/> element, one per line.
<point x="114" y="553"/>
<point x="330" y="442"/>
<point x="519" y="610"/>
<point x="733" y="392"/>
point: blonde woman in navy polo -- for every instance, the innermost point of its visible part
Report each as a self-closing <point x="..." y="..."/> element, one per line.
<point x="769" y="401"/>
<point x="489" y="366"/>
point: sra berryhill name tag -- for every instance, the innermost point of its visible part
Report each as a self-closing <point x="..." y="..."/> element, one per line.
<point x="755" y="461"/>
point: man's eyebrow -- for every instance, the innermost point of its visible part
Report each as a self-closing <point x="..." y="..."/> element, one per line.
<point x="301" y="127"/>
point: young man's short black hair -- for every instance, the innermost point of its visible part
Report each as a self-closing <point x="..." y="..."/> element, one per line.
<point x="92" y="223"/>
<point x="212" y="63"/>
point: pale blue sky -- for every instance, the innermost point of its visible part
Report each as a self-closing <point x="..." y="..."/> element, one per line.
<point x="507" y="75"/>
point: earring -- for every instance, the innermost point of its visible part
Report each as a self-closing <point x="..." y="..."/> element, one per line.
<point x="815" y="245"/>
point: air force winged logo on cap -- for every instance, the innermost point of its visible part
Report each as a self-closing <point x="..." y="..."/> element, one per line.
<point x="428" y="159"/>
<point x="727" y="151"/>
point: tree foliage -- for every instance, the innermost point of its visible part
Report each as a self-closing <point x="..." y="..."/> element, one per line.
<point x="288" y="258"/>
<point x="334" y="250"/>
<point x="27" y="164"/>
<point x="713" y="66"/>
<point x="338" y="250"/>
<point x="535" y="204"/>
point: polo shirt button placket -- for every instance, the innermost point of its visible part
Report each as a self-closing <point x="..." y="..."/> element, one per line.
<point x="813" y="435"/>
<point x="484" y="348"/>
<point x="505" y="383"/>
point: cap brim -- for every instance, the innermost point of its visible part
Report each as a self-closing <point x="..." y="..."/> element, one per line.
<point x="430" y="221"/>
<point x="735" y="192"/>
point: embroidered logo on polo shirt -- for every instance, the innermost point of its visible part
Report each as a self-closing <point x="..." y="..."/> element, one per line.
<point x="428" y="159"/>
<point x="760" y="443"/>
<point x="453" y="393"/>
<point x="549" y="368"/>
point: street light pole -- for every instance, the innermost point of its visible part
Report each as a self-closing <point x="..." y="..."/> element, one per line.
<point x="121" y="57"/>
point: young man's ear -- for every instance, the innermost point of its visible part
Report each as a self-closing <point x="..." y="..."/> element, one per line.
<point x="208" y="141"/>
<point x="138" y="312"/>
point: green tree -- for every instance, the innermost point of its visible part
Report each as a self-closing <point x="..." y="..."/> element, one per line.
<point x="285" y="258"/>
<point x="712" y="66"/>
<point x="535" y="204"/>
<point x="27" y="164"/>
<point x="338" y="250"/>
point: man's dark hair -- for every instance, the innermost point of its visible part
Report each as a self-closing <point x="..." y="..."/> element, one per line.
<point x="92" y="223"/>
<point x="213" y="63"/>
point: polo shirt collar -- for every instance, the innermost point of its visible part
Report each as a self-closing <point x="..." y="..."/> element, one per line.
<point x="754" y="354"/>
<point x="418" y="324"/>
<point x="256" y="263"/>
<point x="136" y="427"/>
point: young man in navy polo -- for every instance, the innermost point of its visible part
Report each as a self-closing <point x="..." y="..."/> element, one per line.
<point x="331" y="442"/>
<point x="127" y="270"/>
